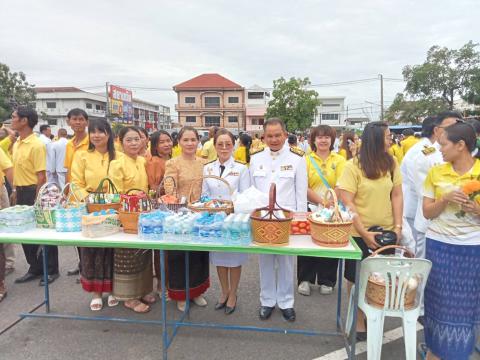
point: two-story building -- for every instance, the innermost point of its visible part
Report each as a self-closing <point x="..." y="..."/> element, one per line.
<point x="331" y="112"/>
<point x="211" y="100"/>
<point x="256" y="99"/>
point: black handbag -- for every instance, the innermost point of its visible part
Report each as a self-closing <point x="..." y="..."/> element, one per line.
<point x="386" y="237"/>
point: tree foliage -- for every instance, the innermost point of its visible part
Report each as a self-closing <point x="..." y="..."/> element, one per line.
<point x="405" y="110"/>
<point x="293" y="103"/>
<point x="14" y="90"/>
<point x="446" y="74"/>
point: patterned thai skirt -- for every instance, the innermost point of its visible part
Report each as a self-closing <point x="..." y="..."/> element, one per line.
<point x="452" y="299"/>
<point x="132" y="273"/>
<point x="96" y="266"/>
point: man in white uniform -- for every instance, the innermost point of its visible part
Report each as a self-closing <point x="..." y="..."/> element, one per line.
<point x="59" y="148"/>
<point x="45" y="133"/>
<point x="287" y="169"/>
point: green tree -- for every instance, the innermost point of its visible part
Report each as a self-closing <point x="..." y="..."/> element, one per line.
<point x="14" y="90"/>
<point x="293" y="103"/>
<point x="446" y="74"/>
<point x="405" y="110"/>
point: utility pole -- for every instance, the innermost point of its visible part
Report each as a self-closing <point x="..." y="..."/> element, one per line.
<point x="107" y="108"/>
<point x="381" y="96"/>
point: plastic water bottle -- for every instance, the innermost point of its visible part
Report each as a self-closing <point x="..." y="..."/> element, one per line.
<point x="246" y="230"/>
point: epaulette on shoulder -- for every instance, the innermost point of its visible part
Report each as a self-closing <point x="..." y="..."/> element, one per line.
<point x="297" y="151"/>
<point x="241" y="162"/>
<point x="209" y="162"/>
<point x="427" y="150"/>
<point x="256" y="151"/>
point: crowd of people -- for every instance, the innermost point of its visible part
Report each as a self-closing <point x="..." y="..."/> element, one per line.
<point x="403" y="183"/>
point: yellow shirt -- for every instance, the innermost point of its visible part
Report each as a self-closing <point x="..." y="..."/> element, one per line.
<point x="241" y="154"/>
<point x="448" y="227"/>
<point x="118" y="146"/>
<point x="408" y="143"/>
<point x="372" y="197"/>
<point x="332" y="169"/>
<point x="343" y="153"/>
<point x="176" y="151"/>
<point x="88" y="169"/>
<point x="209" y="151"/>
<point x="5" y="146"/>
<point x="29" y="158"/>
<point x="70" y="151"/>
<point x="396" y="151"/>
<point x="128" y="173"/>
<point x="5" y="164"/>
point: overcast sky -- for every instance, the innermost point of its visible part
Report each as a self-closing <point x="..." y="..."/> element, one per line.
<point x="161" y="43"/>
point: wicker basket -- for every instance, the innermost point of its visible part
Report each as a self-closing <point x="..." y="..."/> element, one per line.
<point x="129" y="219"/>
<point x="45" y="218"/>
<point x="100" y="192"/>
<point x="269" y="229"/>
<point x="331" y="234"/>
<point x="375" y="292"/>
<point x="158" y="203"/>
<point x="228" y="204"/>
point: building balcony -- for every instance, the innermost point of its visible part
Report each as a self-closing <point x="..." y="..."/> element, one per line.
<point x="189" y="107"/>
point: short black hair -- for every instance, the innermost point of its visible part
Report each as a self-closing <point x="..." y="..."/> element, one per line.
<point x="462" y="131"/>
<point x="274" y="121"/>
<point x="29" y="113"/>
<point x="408" y="132"/>
<point x="77" y="112"/>
<point x="292" y="139"/>
<point x="448" y="114"/>
<point x="44" y="127"/>
<point x="428" y="125"/>
<point x="125" y="130"/>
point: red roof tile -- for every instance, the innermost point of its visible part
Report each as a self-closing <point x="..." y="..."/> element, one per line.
<point x="207" y="81"/>
<point x="54" y="89"/>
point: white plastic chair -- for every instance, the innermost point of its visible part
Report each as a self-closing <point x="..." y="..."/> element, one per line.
<point x="396" y="271"/>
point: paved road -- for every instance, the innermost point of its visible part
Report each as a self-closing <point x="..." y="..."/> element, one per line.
<point x="66" y="339"/>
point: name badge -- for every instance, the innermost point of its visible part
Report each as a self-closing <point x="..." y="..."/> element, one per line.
<point x="233" y="173"/>
<point x="286" y="168"/>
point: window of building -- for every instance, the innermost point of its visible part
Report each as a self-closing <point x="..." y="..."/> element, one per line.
<point x="52" y="122"/>
<point x="330" y="105"/>
<point x="258" y="121"/>
<point x="256" y="95"/>
<point x="51" y="105"/>
<point x="89" y="106"/>
<point x="211" y="101"/>
<point x="191" y="119"/>
<point x="190" y="100"/>
<point x="233" y="99"/>
<point x="102" y="107"/>
<point x="212" y="120"/>
<point x="233" y="119"/>
<point x="329" y="116"/>
<point x="98" y="107"/>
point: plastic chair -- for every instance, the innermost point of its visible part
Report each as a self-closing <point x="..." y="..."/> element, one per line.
<point x="396" y="271"/>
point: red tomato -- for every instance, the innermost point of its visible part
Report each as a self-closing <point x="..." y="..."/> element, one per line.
<point x="302" y="225"/>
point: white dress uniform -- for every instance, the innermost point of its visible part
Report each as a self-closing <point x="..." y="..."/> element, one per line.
<point x="410" y="197"/>
<point x="429" y="157"/>
<point x="288" y="170"/>
<point x="238" y="177"/>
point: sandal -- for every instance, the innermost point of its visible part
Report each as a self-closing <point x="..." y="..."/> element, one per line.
<point x="149" y="299"/>
<point x="112" y="301"/>
<point x="137" y="306"/>
<point x="96" y="304"/>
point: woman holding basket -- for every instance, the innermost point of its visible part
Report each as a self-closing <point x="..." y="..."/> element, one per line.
<point x="229" y="265"/>
<point x="132" y="268"/>
<point x="89" y="167"/>
<point x="187" y="170"/>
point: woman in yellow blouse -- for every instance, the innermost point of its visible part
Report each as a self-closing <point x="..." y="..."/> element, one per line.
<point x="396" y="150"/>
<point x="371" y="186"/>
<point x="242" y="153"/>
<point x="324" y="168"/>
<point x="187" y="171"/>
<point x="452" y="293"/>
<point x="132" y="268"/>
<point x="348" y="147"/>
<point x="89" y="167"/>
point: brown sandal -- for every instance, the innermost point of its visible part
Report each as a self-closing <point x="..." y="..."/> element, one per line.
<point x="137" y="306"/>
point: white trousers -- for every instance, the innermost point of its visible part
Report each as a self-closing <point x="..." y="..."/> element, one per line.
<point x="410" y="222"/>
<point x="420" y="248"/>
<point x="277" y="282"/>
<point x="57" y="178"/>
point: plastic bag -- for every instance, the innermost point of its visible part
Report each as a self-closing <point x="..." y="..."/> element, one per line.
<point x="249" y="200"/>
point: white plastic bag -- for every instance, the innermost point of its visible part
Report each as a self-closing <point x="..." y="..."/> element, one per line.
<point x="249" y="200"/>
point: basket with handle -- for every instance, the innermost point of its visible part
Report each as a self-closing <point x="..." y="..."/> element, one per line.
<point x="268" y="226"/>
<point x="99" y="199"/>
<point x="375" y="292"/>
<point x="331" y="234"/>
<point x="160" y="196"/>
<point x="68" y="214"/>
<point x="129" y="216"/>
<point x="224" y="205"/>
<point x="45" y="215"/>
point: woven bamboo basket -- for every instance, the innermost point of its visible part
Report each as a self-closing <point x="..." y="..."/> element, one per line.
<point x="129" y="219"/>
<point x="168" y="185"/>
<point x="270" y="229"/>
<point x="100" y="191"/>
<point x="45" y="218"/>
<point x="227" y="204"/>
<point x="331" y="234"/>
<point x="375" y="292"/>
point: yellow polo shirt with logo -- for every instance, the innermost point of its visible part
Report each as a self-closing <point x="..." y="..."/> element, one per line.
<point x="5" y="146"/>
<point x="29" y="158"/>
<point x="372" y="197"/>
<point x="449" y="226"/>
<point x="209" y="151"/>
<point x="128" y="173"/>
<point x="5" y="164"/>
<point x="397" y="152"/>
<point x="331" y="168"/>
<point x="70" y="152"/>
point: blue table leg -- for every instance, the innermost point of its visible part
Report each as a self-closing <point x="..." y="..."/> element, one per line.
<point x="164" y="305"/>
<point x="339" y="295"/>
<point x="355" y="310"/>
<point x="45" y="278"/>
<point x="187" y="283"/>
